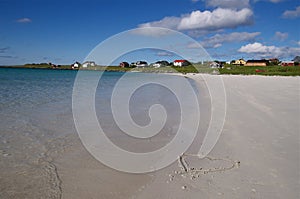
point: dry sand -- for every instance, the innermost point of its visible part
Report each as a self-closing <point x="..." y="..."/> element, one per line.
<point x="257" y="155"/>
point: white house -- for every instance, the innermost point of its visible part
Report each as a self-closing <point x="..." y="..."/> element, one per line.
<point x="181" y="63"/>
<point x="141" y="64"/>
<point x="88" y="64"/>
<point x="75" y="65"/>
<point x="214" y="65"/>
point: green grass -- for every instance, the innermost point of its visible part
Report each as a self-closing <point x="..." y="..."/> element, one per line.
<point x="261" y="70"/>
<point x="39" y="66"/>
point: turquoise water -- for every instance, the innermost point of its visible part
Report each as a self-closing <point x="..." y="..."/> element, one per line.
<point x="36" y="125"/>
<point x="42" y="98"/>
<point x="28" y="88"/>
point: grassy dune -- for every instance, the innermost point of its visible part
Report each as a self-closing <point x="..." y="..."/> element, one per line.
<point x="195" y="68"/>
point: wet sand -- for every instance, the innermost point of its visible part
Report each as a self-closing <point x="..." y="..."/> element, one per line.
<point x="257" y="155"/>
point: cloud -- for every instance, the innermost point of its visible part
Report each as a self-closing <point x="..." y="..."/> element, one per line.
<point x="269" y="51"/>
<point x="276" y="1"/>
<point x="167" y="22"/>
<point x="228" y="3"/>
<point x="146" y="30"/>
<point x="272" y="1"/>
<point x="219" y="39"/>
<point x="217" y="19"/>
<point x="164" y="54"/>
<point x="7" y="56"/>
<point x="292" y="13"/>
<point x="257" y="48"/>
<point x="207" y="21"/>
<point x="281" y="36"/>
<point x="24" y="20"/>
<point x="298" y="43"/>
<point x="194" y="45"/>
<point x="4" y="49"/>
<point x="200" y="33"/>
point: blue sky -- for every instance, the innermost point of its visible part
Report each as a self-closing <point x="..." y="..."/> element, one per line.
<point x="62" y="31"/>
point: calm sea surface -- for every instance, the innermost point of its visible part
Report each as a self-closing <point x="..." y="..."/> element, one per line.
<point x="36" y="123"/>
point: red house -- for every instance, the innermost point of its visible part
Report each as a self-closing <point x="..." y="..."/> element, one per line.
<point x="181" y="62"/>
<point x="124" y="64"/>
<point x="287" y="63"/>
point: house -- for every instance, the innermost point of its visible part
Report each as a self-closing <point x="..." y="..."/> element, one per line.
<point x="240" y="62"/>
<point x="53" y="65"/>
<point x="222" y="63"/>
<point x="274" y="61"/>
<point x="88" y="64"/>
<point x="124" y="64"/>
<point x="181" y="62"/>
<point x="217" y="64"/>
<point x="253" y="62"/>
<point x="214" y="65"/>
<point x="287" y="63"/>
<point x="141" y="64"/>
<point x="159" y="64"/>
<point x="132" y="65"/>
<point x="75" y="65"/>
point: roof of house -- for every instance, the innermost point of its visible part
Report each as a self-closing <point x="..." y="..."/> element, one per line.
<point x="180" y="60"/>
<point x="258" y="61"/>
<point x="239" y="60"/>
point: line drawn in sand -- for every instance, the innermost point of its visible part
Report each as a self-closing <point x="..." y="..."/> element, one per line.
<point x="209" y="165"/>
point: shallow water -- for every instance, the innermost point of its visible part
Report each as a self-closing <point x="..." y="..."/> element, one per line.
<point x="36" y="125"/>
<point x="35" y="111"/>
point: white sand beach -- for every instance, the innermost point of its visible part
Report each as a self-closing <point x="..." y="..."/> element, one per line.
<point x="257" y="155"/>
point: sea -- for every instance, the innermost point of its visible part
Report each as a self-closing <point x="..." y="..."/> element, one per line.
<point x="37" y="123"/>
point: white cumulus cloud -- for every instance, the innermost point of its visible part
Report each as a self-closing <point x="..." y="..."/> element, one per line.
<point x="257" y="48"/>
<point x="199" y="21"/>
<point x="269" y="51"/>
<point x="219" y="18"/>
